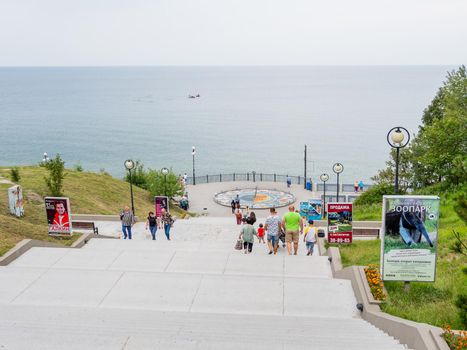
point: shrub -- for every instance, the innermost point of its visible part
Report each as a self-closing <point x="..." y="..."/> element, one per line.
<point x="56" y="169"/>
<point x="461" y="303"/>
<point x="14" y="174"/>
<point x="375" y="194"/>
<point x="138" y="175"/>
<point x="159" y="185"/>
<point x="374" y="280"/>
<point x="79" y="168"/>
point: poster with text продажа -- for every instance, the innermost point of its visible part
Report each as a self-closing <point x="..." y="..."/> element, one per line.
<point x="340" y="222"/>
<point x="409" y="238"/>
<point x="58" y="215"/>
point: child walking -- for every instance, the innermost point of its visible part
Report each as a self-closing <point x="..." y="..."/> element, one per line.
<point x="247" y="234"/>
<point x="261" y="234"/>
<point x="310" y="237"/>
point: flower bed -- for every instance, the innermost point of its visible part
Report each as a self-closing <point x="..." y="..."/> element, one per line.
<point x="456" y="341"/>
<point x="374" y="281"/>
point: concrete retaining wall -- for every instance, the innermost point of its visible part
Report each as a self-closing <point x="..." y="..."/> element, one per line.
<point x="417" y="336"/>
<point x="22" y="247"/>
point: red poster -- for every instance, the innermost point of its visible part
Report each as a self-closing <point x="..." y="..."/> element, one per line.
<point x="160" y="202"/>
<point x="340" y="222"/>
<point x="58" y="215"/>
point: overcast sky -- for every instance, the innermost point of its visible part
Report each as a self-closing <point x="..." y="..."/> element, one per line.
<point x="232" y="32"/>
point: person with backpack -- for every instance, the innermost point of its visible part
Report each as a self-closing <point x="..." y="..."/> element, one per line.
<point x="151" y="222"/>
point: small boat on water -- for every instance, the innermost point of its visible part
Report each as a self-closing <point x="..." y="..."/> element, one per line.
<point x="194" y="96"/>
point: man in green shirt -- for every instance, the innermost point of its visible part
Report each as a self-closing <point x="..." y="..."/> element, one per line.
<point x="292" y="224"/>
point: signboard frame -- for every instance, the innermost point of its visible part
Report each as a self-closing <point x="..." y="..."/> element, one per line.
<point x="433" y="240"/>
<point x="314" y="202"/>
<point x="345" y="237"/>
<point x="51" y="214"/>
<point x="159" y="203"/>
<point x="15" y="200"/>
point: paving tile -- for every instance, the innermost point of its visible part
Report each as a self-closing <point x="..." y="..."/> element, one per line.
<point x="153" y="291"/>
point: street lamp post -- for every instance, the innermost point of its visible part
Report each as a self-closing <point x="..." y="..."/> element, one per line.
<point x="193" y="152"/>
<point x="130" y="165"/>
<point x="324" y="178"/>
<point x="398" y="137"/>
<point x="165" y="172"/>
<point x="338" y="168"/>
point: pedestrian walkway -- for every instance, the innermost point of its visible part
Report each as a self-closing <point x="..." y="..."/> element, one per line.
<point x="193" y="292"/>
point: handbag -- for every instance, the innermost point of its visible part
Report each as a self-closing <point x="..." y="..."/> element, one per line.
<point x="239" y="245"/>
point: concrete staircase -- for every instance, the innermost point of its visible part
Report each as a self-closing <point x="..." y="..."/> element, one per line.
<point x="193" y="292"/>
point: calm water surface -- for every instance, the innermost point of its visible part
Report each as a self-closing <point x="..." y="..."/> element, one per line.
<point x="247" y="118"/>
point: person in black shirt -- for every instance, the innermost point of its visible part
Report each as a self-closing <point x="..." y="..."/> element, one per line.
<point x="151" y="222"/>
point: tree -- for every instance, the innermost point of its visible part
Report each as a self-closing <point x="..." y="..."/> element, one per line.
<point x="159" y="185"/>
<point x="438" y="154"/>
<point x="56" y="169"/>
<point x="387" y="175"/>
<point x="138" y="175"/>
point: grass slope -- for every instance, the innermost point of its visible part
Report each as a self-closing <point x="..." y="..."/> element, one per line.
<point x="89" y="193"/>
<point x="431" y="303"/>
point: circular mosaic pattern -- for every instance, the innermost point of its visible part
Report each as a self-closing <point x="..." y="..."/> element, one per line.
<point x="255" y="199"/>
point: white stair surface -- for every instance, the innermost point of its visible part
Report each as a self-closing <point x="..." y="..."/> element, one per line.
<point x="192" y="292"/>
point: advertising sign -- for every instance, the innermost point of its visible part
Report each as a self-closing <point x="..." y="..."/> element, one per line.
<point x="58" y="215"/>
<point x="161" y="202"/>
<point x="409" y="238"/>
<point x="15" y="200"/>
<point x="340" y="222"/>
<point x="311" y="209"/>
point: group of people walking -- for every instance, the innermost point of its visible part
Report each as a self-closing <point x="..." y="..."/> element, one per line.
<point x="153" y="223"/>
<point x="290" y="226"/>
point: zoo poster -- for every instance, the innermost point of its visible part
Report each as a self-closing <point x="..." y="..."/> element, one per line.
<point x="340" y="222"/>
<point x="58" y="215"/>
<point x="409" y="238"/>
<point x="15" y="201"/>
<point x="311" y="209"/>
<point x="161" y="202"/>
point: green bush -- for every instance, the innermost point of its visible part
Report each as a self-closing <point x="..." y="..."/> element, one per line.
<point x="461" y="303"/>
<point x="138" y="175"/>
<point x="375" y="194"/>
<point x="56" y="169"/>
<point x="159" y="185"/>
<point x="14" y="174"/>
<point x="79" y="168"/>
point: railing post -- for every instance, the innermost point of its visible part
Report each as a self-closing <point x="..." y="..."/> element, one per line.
<point x="234" y="176"/>
<point x="220" y="177"/>
<point x="207" y="179"/>
<point x="274" y="177"/>
<point x="298" y="180"/>
<point x="254" y="176"/>
<point x="247" y="176"/>
<point x="261" y="177"/>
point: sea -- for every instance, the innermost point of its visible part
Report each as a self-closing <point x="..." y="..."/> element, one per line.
<point x="246" y="119"/>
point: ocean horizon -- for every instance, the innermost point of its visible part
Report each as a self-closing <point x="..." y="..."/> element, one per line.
<point x="247" y="118"/>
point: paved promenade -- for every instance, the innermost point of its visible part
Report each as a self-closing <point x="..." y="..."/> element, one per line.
<point x="201" y="196"/>
<point x="193" y="292"/>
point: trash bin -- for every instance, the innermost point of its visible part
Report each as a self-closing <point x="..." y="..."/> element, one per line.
<point x="308" y="186"/>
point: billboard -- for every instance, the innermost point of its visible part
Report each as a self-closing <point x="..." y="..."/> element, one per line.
<point x="409" y="238"/>
<point x="340" y="222"/>
<point x="160" y="202"/>
<point x="15" y="200"/>
<point x="311" y="209"/>
<point x="58" y="215"/>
